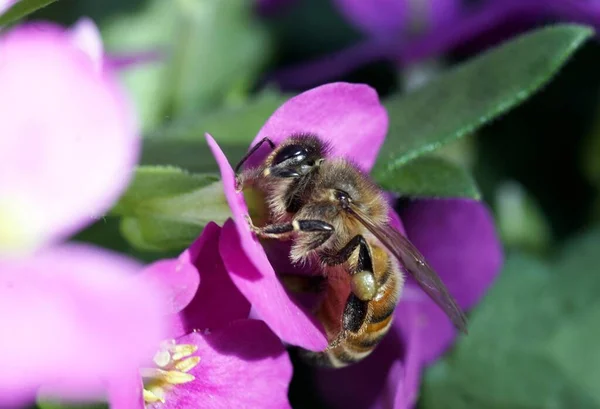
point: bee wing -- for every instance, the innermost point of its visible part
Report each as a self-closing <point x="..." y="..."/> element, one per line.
<point x="414" y="262"/>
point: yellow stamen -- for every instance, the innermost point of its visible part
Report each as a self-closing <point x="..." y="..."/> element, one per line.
<point x="187" y="364"/>
<point x="150" y="397"/>
<point x="181" y="351"/>
<point x="176" y="377"/>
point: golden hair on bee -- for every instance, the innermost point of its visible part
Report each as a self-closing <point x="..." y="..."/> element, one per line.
<point x="337" y="217"/>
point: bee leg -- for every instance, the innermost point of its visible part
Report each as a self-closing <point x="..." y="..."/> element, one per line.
<point x="285" y="231"/>
<point x="251" y="152"/>
<point x="355" y="313"/>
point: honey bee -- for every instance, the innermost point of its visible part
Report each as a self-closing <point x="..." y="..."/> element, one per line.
<point x="336" y="216"/>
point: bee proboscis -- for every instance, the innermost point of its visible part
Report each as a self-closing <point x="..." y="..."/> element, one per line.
<point x="337" y="217"/>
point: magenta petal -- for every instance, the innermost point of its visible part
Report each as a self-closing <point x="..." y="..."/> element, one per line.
<point x="126" y="393"/>
<point x="243" y="365"/>
<point x="251" y="272"/>
<point x="349" y="116"/>
<point x="458" y="238"/>
<point x="75" y="314"/>
<point x="66" y="165"/>
<point x="436" y="332"/>
<point x="218" y="301"/>
<point x="178" y="277"/>
<point x="269" y="299"/>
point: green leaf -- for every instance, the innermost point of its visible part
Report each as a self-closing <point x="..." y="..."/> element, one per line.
<point x="22" y="9"/>
<point x="49" y="404"/>
<point x="430" y="176"/>
<point x="165" y="208"/>
<point x="530" y="341"/>
<point x="459" y="102"/>
<point x="182" y="142"/>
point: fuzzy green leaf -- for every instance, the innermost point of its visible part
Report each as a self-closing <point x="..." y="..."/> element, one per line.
<point x="531" y="340"/>
<point x="430" y="176"/>
<point x="22" y="9"/>
<point x="165" y="208"/>
<point x="471" y="95"/>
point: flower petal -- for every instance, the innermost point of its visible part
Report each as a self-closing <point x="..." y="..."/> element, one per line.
<point x="178" y="277"/>
<point x="86" y="36"/>
<point x="348" y="116"/>
<point x="458" y="238"/>
<point x="76" y="314"/>
<point x="252" y="273"/>
<point x="269" y="299"/>
<point x="243" y="365"/>
<point x="218" y="301"/>
<point x="67" y="163"/>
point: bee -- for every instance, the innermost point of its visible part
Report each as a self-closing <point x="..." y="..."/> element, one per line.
<point x="336" y="217"/>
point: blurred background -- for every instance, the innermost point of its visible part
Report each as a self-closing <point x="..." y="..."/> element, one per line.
<point x="223" y="66"/>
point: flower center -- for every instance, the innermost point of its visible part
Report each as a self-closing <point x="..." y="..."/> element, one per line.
<point x="18" y="232"/>
<point x="173" y="362"/>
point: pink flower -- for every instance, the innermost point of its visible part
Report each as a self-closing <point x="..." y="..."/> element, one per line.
<point x="76" y="315"/>
<point x="459" y="240"/>
<point x="215" y="357"/>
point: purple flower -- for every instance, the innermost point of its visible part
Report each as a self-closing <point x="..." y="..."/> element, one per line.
<point x="76" y="315"/>
<point x="456" y="236"/>
<point x="407" y="32"/>
<point x="214" y="356"/>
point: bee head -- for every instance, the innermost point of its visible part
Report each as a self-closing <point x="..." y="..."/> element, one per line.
<point x="297" y="158"/>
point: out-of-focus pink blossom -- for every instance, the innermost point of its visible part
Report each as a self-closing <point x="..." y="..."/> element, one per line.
<point x="69" y="140"/>
<point x="72" y="317"/>
<point x="217" y="357"/>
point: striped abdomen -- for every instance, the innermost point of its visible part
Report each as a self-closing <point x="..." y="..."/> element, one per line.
<point x="359" y="339"/>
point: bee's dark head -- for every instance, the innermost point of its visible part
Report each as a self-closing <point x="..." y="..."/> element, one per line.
<point x="298" y="157"/>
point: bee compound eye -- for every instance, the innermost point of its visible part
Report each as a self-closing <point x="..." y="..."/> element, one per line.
<point x="296" y="152"/>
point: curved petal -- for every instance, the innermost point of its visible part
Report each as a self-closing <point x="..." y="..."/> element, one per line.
<point x="76" y="314"/>
<point x="242" y="365"/>
<point x="458" y="238"/>
<point x="218" y="301"/>
<point x="269" y="299"/>
<point x="69" y="141"/>
<point x="86" y="36"/>
<point x="348" y="116"/>
<point x="251" y="272"/>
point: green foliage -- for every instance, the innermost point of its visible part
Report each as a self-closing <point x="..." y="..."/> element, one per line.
<point x="22" y="9"/>
<point x="212" y="53"/>
<point x="182" y="143"/>
<point x="430" y="176"/>
<point x="165" y="208"/>
<point x="462" y="100"/>
<point x="532" y="342"/>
